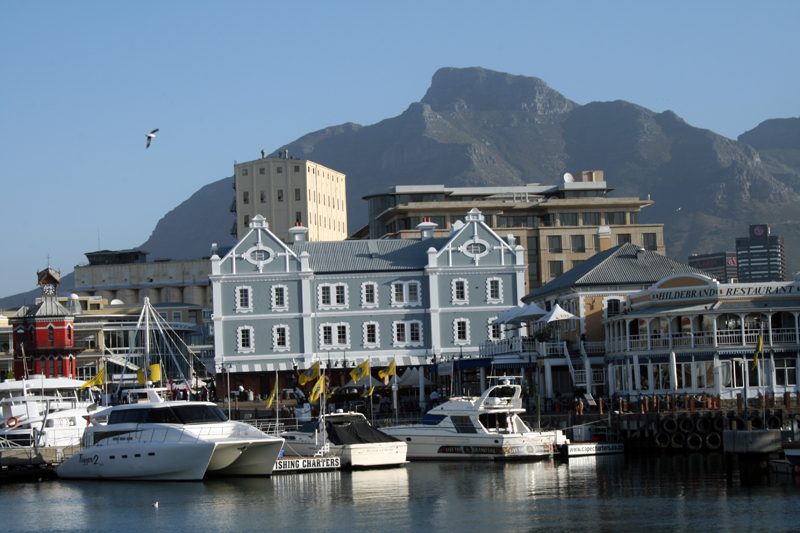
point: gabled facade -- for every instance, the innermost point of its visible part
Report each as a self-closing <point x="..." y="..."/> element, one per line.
<point x="280" y="307"/>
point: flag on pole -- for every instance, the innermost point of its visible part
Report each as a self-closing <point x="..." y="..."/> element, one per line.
<point x="759" y="349"/>
<point x="331" y="393"/>
<point x="369" y="392"/>
<point x="317" y="390"/>
<point x="311" y="373"/>
<point x="272" y="395"/>
<point x="360" y="371"/>
<point x="98" y="379"/>
<point x="386" y="372"/>
<point x="151" y="373"/>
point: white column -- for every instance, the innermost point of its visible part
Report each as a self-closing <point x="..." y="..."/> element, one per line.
<point x="691" y="328"/>
<point x="741" y="318"/>
<point x="714" y="329"/>
<point x="548" y="379"/>
<point x="628" y="333"/>
<point x="769" y="326"/>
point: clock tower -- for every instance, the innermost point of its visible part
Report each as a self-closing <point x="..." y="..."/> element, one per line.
<point x="44" y="338"/>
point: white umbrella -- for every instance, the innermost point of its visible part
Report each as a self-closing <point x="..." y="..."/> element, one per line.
<point x="530" y="312"/>
<point x="505" y="315"/>
<point x="556" y="314"/>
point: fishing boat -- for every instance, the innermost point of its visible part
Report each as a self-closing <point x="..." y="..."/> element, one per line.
<point x="477" y="428"/>
<point x="348" y="436"/>
<point x="175" y="440"/>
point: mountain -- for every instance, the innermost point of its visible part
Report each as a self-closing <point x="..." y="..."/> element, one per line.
<point x="478" y="127"/>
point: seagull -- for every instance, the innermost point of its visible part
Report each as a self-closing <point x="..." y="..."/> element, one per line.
<point x="155" y="505"/>
<point x="150" y="137"/>
<point x="148" y="142"/>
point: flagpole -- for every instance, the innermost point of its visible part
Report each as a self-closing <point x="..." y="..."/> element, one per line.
<point x="277" y="404"/>
<point x="394" y="389"/>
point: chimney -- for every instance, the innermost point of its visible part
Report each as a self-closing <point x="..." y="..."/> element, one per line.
<point x="639" y="253"/>
<point x="263" y="154"/>
<point x="605" y="237"/>
<point x="298" y="233"/>
<point x="426" y="228"/>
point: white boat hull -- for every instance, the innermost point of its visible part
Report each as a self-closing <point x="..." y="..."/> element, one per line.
<point x="253" y="458"/>
<point x="364" y="455"/>
<point x="461" y="446"/>
<point x="578" y="449"/>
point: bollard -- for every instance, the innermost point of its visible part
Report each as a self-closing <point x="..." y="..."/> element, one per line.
<point x="600" y="405"/>
<point x="691" y="404"/>
<point x="739" y="402"/>
<point x="787" y="400"/>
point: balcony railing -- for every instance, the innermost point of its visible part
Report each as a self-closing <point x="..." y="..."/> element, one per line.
<point x="56" y="345"/>
<point x="725" y="338"/>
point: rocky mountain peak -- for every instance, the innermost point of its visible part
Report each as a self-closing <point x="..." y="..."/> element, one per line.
<point x="480" y="89"/>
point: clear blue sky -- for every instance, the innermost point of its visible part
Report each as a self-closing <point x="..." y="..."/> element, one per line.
<point x="82" y="82"/>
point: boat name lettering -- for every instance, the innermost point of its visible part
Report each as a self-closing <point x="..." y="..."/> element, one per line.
<point x="495" y="450"/>
<point x="309" y="463"/>
<point x="89" y="460"/>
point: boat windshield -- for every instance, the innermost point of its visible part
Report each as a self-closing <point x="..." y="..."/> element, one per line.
<point x="432" y="420"/>
<point x="181" y="414"/>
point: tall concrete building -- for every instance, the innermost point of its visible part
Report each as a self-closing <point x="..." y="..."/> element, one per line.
<point x="722" y="266"/>
<point x="761" y="256"/>
<point x="288" y="191"/>
<point x="557" y="225"/>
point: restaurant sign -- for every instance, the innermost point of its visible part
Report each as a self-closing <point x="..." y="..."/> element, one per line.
<point x="728" y="291"/>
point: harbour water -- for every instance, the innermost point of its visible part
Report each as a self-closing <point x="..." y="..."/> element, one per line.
<point x="610" y="493"/>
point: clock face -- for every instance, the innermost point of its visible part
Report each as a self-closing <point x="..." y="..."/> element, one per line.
<point x="49" y="289"/>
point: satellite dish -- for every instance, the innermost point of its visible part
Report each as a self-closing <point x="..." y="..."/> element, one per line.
<point x="568" y="178"/>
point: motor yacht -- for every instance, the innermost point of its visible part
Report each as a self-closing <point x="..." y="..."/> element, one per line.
<point x="348" y="436"/>
<point x="175" y="440"/>
<point x="477" y="428"/>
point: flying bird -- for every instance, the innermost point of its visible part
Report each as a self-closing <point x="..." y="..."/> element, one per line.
<point x="675" y="210"/>
<point x="155" y="505"/>
<point x="150" y="137"/>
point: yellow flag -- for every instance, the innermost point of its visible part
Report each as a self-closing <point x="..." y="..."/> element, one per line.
<point x="317" y="390"/>
<point x="369" y="392"/>
<point x="151" y="373"/>
<point x="331" y="393"/>
<point x="272" y="396"/>
<point x="759" y="348"/>
<point x="389" y="371"/>
<point x="97" y="380"/>
<point x="360" y="371"/>
<point x="311" y="373"/>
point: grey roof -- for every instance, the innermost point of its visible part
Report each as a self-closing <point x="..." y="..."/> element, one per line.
<point x="617" y="266"/>
<point x="47" y="307"/>
<point x="368" y="255"/>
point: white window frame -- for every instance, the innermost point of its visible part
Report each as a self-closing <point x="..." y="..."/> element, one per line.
<point x="237" y="299"/>
<point x="489" y="298"/>
<point x="453" y="284"/>
<point x="333" y="304"/>
<point x="334" y="336"/>
<point x="177" y="316"/>
<point x="407" y="325"/>
<point x="275" y="346"/>
<point x="274" y="298"/>
<point x="364" y="303"/>
<point x="377" y="342"/>
<point x="239" y="347"/>
<point x="405" y="302"/>
<point x="490" y="330"/>
<point x="456" y="340"/>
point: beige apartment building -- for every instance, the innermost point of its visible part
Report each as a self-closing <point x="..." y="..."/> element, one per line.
<point x="556" y="224"/>
<point x="287" y="191"/>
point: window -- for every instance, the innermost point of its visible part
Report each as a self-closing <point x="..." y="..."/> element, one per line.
<point x="634" y="217"/>
<point x="649" y="241"/>
<point x="333" y="296"/>
<point x="476" y="248"/>
<point x="262" y="170"/>
<point x="245" y="197"/>
<point x="576" y="262"/>
<point x="405" y="293"/>
<point x="280" y="338"/>
<point x="705" y="374"/>
<point x="371" y="335"/>
<point x="460" y="331"/>
<point x="554" y="244"/>
<point x="297" y="168"/>
<point x="50" y="333"/>
<point x="244" y="299"/>
<point x="334" y="336"/>
<point x="616" y="219"/>
<point x="279" y="170"/>
<point x="244" y="172"/>
<point x="280" y="300"/>
<point x="661" y="376"/>
<point x="533" y="270"/>
<point x="614" y="307"/>
<point x="298" y="217"/>
<point x="683" y="375"/>
<point x="247" y="220"/>
<point x="623" y="238"/>
<point x="578" y="243"/>
<point x="263" y="197"/>
<point x="591" y="219"/>
<point x="496" y="331"/>
<point x="556" y="268"/>
<point x="369" y="294"/>
<point x="459" y="291"/>
<point x="596" y="241"/>
<point x="785" y="373"/>
<point x="533" y="245"/>
<point x="245" y="340"/>
<point x="494" y="290"/>
<point x="569" y="219"/>
<point x="407" y="333"/>
<point x="177" y="316"/>
<point x="297" y="194"/>
<point x="280" y="195"/>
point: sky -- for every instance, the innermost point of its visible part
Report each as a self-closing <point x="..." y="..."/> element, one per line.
<point x="83" y="82"/>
